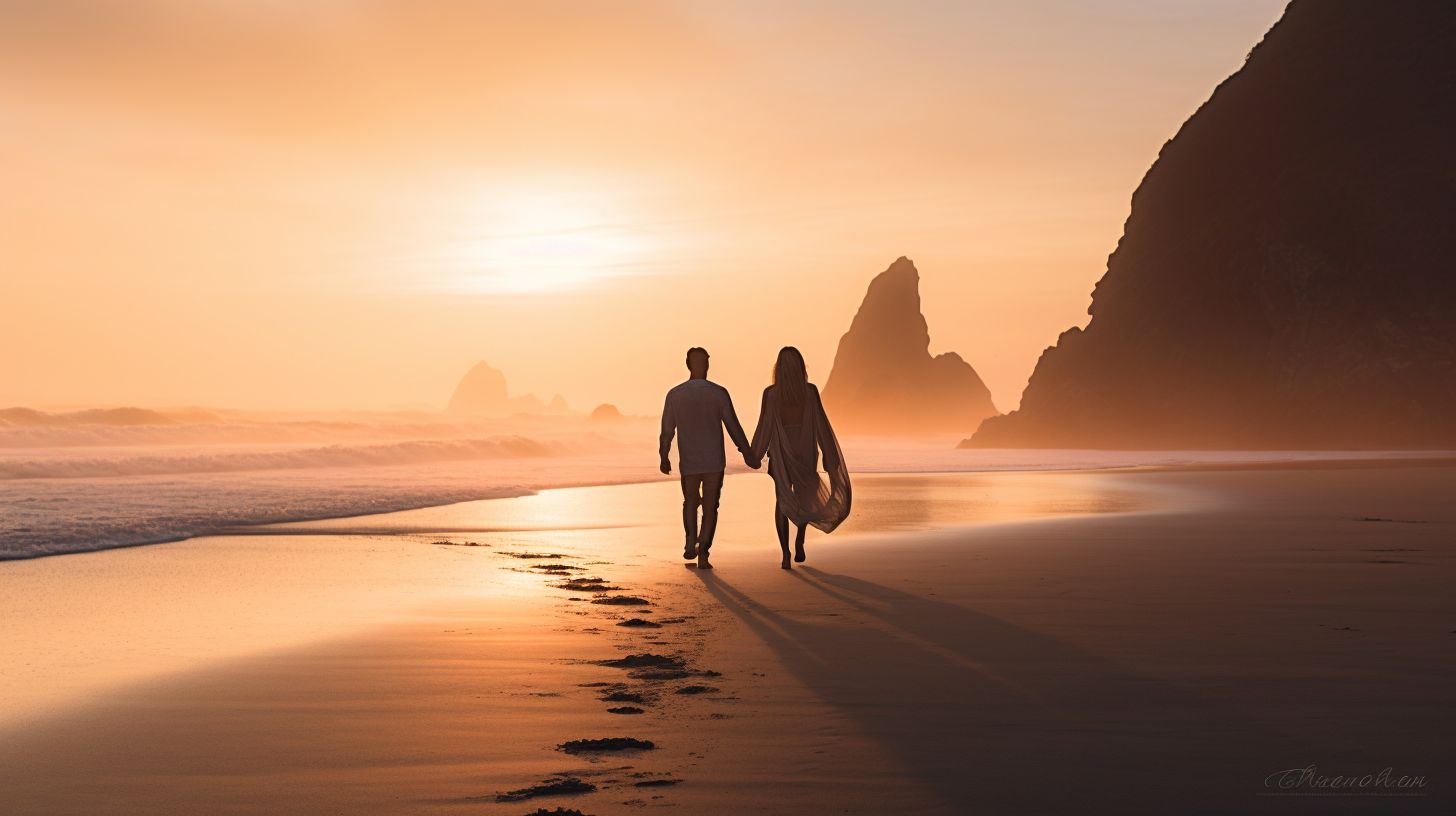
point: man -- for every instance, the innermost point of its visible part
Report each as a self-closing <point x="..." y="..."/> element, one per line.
<point x="698" y="411"/>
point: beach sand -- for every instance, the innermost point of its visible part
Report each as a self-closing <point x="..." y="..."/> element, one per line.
<point x="1135" y="642"/>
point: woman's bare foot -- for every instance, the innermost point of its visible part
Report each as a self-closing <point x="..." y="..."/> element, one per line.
<point x="799" y="553"/>
<point x="786" y="564"/>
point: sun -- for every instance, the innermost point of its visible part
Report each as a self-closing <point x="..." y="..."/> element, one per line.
<point x="536" y="242"/>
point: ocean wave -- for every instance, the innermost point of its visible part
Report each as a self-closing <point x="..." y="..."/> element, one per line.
<point x="97" y="479"/>
<point x="20" y="417"/>
<point x="226" y="460"/>
<point x="85" y="516"/>
<point x="54" y="516"/>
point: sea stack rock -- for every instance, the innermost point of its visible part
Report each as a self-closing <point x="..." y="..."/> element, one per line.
<point x="606" y="412"/>
<point x="884" y="380"/>
<point x="481" y="391"/>
<point x="1286" y="276"/>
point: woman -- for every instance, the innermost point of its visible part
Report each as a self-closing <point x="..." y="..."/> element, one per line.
<point x="792" y="430"/>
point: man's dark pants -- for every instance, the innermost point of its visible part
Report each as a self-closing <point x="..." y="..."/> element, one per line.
<point x="701" y="490"/>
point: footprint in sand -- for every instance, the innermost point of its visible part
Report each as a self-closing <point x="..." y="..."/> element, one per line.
<point x="626" y="710"/>
<point x="649" y="666"/>
<point x="586" y="585"/>
<point x="605" y="745"/>
<point x="624" y="697"/>
<point x="670" y="674"/>
<point x="644" y="660"/>
<point x="639" y="623"/>
<point x="555" y="786"/>
<point x="621" y="600"/>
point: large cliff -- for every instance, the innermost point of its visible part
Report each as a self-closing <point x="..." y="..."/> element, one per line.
<point x="884" y="380"/>
<point x="1287" y="276"/>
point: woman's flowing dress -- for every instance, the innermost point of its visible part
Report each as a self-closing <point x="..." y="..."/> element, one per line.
<point x="805" y="496"/>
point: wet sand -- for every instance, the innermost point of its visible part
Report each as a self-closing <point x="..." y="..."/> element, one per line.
<point x="1153" y="642"/>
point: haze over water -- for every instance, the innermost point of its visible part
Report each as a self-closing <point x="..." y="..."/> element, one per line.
<point x="95" y="486"/>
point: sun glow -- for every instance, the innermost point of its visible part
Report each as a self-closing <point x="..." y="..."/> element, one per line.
<point x="545" y="242"/>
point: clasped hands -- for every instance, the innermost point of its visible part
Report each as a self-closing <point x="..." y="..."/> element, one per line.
<point x="748" y="459"/>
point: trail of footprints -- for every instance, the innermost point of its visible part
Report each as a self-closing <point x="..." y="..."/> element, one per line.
<point x="646" y="679"/>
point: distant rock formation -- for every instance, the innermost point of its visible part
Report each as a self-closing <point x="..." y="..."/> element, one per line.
<point x="1287" y="277"/>
<point x="606" y="412"/>
<point x="884" y="380"/>
<point x="527" y="404"/>
<point x="481" y="391"/>
<point x="558" y="405"/>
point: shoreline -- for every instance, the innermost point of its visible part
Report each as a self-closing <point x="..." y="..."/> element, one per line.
<point x="1290" y="460"/>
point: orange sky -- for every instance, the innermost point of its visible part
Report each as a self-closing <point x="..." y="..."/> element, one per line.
<point x="240" y="203"/>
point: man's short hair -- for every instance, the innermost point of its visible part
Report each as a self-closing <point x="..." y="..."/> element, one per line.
<point x="696" y="351"/>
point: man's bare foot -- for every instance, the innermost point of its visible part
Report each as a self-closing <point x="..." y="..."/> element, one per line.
<point x="690" y="551"/>
<point x="799" y="553"/>
<point x="786" y="564"/>
<point x="703" y="561"/>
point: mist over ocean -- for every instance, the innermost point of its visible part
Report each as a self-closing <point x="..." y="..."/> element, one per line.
<point x="96" y="479"/>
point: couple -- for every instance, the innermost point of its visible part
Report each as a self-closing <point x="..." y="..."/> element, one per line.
<point x="792" y="430"/>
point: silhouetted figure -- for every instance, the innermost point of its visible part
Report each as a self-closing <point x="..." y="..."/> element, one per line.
<point x="792" y="430"/>
<point x="699" y="410"/>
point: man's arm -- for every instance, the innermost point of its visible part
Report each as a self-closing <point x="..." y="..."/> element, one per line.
<point x="664" y="441"/>
<point x="735" y="430"/>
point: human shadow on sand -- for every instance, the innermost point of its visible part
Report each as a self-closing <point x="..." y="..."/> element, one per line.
<point x="994" y="718"/>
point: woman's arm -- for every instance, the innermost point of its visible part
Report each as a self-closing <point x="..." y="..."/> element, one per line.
<point x="759" y="446"/>
<point x="824" y="432"/>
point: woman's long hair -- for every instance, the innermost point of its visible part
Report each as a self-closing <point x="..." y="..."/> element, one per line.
<point x="791" y="379"/>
